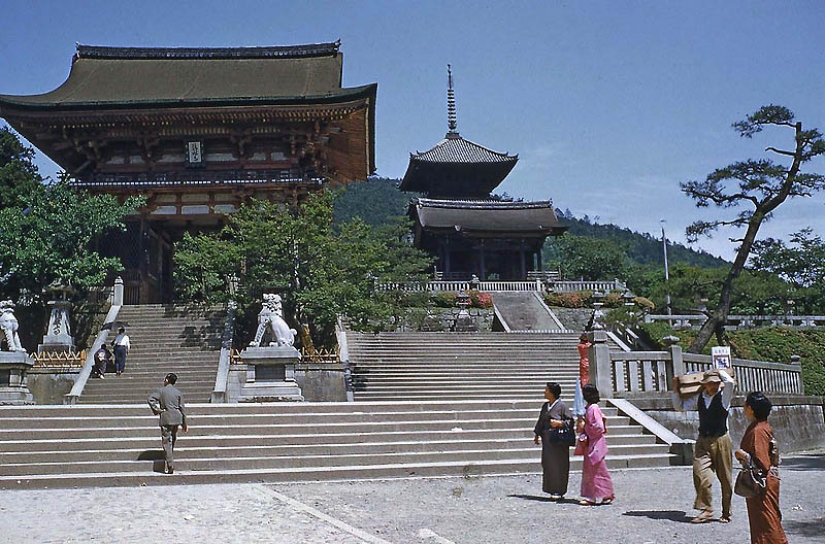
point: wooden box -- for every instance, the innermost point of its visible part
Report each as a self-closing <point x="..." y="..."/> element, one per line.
<point x="689" y="384"/>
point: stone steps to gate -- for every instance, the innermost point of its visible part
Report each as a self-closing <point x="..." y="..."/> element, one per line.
<point x="179" y="339"/>
<point x="96" y="445"/>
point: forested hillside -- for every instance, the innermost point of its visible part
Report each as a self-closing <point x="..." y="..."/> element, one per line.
<point x="377" y="200"/>
<point x="642" y="248"/>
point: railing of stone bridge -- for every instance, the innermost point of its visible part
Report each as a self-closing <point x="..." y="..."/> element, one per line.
<point x="652" y="371"/>
<point x="435" y="286"/>
<point x="737" y="322"/>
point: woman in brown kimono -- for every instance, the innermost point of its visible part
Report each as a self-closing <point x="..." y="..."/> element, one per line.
<point x="758" y="448"/>
<point x="555" y="456"/>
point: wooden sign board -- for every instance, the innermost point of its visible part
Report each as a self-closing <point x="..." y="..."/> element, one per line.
<point x="722" y="359"/>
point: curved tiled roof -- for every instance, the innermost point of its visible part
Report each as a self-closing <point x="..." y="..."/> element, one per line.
<point x="488" y="216"/>
<point x="273" y="51"/>
<point x="455" y="149"/>
<point x="143" y="76"/>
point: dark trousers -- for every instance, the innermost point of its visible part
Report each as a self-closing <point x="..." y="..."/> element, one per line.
<point x="168" y="436"/>
<point x="120" y="358"/>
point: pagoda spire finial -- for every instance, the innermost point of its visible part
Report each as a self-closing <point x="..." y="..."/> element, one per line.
<point x="452" y="123"/>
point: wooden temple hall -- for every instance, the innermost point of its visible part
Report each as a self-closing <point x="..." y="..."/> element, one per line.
<point x="457" y="222"/>
<point x="198" y="131"/>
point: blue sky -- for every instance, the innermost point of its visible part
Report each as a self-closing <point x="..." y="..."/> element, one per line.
<point x="608" y="104"/>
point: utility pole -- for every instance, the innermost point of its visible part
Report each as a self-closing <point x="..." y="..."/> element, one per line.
<point x="667" y="274"/>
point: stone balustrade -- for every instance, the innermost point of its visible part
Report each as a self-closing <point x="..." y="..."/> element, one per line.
<point x="737" y="322"/>
<point x="537" y="285"/>
<point x="653" y="371"/>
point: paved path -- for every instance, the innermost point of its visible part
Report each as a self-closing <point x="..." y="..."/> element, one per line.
<point x="652" y="506"/>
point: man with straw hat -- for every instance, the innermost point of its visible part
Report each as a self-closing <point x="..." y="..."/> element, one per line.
<point x="713" y="451"/>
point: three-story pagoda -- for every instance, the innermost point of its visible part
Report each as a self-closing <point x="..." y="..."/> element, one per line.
<point x="458" y="222"/>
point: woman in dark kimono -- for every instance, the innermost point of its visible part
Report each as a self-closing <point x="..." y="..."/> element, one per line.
<point x="555" y="456"/>
<point x="757" y="447"/>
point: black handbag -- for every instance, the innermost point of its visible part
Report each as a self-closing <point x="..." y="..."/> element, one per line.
<point x="749" y="482"/>
<point x="564" y="434"/>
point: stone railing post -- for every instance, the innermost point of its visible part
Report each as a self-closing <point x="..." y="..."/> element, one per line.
<point x="677" y="364"/>
<point x="117" y="296"/>
<point x="601" y="368"/>
<point x="796" y="360"/>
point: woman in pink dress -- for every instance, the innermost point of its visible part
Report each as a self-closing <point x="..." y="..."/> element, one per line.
<point x="584" y="362"/>
<point x="597" y="487"/>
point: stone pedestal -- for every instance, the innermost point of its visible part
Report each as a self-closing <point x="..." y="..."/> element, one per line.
<point x="14" y="387"/>
<point x="58" y="336"/>
<point x="270" y="375"/>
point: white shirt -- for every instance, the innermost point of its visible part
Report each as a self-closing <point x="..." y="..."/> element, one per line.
<point x="692" y="402"/>
<point x="122" y="339"/>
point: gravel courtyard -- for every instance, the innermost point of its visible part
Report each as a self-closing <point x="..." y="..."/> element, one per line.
<point x="652" y="506"/>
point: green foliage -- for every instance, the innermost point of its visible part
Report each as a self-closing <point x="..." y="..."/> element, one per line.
<point x="753" y="190"/>
<point x="692" y="289"/>
<point x="801" y="264"/>
<point x="449" y="299"/>
<point x="322" y="272"/>
<point x="642" y="249"/>
<point x="375" y="201"/>
<point x="47" y="230"/>
<point x="18" y="173"/>
<point x="779" y="343"/>
<point x="444" y="299"/>
<point x="579" y="299"/>
<point x="622" y="317"/>
<point x="775" y="344"/>
<point x="587" y="258"/>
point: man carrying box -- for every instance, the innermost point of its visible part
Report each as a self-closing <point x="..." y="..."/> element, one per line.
<point x="713" y="452"/>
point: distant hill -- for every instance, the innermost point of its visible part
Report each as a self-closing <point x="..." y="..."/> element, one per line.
<point x="643" y="248"/>
<point x="377" y="200"/>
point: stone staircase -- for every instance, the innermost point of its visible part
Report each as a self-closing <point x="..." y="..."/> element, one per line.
<point x="180" y="339"/>
<point x="67" y="446"/>
<point x="522" y="311"/>
<point x="461" y="366"/>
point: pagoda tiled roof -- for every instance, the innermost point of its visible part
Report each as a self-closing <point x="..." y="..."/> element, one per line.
<point x="455" y="149"/>
<point x="474" y="217"/>
<point x="106" y="77"/>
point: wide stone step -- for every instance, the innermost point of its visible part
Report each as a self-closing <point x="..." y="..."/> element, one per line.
<point x="293" y="474"/>
<point x="239" y="461"/>
<point x="209" y="449"/>
<point x="208" y="423"/>
<point x="247" y="440"/>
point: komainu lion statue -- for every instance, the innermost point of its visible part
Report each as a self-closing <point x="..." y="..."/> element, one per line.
<point x="9" y="326"/>
<point x="272" y="317"/>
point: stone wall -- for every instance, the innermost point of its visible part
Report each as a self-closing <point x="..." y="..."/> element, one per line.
<point x="49" y="385"/>
<point x="318" y="385"/>
<point x="798" y="421"/>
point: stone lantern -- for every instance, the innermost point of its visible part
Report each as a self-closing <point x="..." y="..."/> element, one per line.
<point x="598" y="314"/>
<point x="58" y="337"/>
<point x="463" y="322"/>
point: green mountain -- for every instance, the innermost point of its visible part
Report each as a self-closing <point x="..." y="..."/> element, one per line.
<point x="377" y="200"/>
<point x="643" y="249"/>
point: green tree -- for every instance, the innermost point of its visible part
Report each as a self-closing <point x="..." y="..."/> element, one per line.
<point x="755" y="188"/>
<point x="801" y="263"/>
<point x="18" y="173"/>
<point x="47" y="230"/>
<point x="323" y="271"/>
<point x="587" y="258"/>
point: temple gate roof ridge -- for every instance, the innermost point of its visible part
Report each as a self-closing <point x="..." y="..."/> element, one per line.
<point x="482" y="204"/>
<point x="254" y="52"/>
